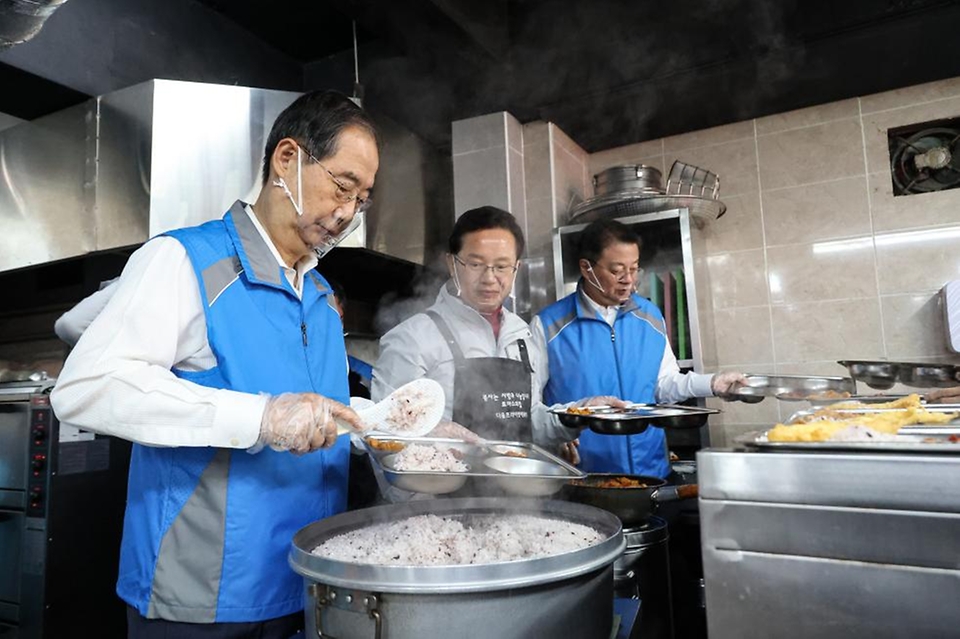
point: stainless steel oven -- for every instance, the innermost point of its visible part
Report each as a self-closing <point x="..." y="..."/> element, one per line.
<point x="62" y="495"/>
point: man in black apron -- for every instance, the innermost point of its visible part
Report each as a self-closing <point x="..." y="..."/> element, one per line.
<point x="482" y="354"/>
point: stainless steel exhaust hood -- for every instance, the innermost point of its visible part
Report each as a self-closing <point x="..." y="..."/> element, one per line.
<point x="121" y="168"/>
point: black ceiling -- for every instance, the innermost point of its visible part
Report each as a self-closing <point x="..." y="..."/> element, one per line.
<point x="608" y="72"/>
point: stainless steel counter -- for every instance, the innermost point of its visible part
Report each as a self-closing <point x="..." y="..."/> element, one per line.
<point x="830" y="545"/>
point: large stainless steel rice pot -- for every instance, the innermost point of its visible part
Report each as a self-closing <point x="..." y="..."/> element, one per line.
<point x="568" y="595"/>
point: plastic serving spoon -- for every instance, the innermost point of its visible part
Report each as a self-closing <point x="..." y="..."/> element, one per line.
<point x="413" y="410"/>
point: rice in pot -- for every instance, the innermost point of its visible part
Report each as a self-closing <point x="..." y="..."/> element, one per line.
<point x="429" y="540"/>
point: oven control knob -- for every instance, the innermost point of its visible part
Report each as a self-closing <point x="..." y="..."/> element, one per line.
<point x="37" y="465"/>
<point x="39" y="434"/>
<point x="36" y="497"/>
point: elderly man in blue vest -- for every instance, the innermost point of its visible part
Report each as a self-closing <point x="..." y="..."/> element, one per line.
<point x="604" y="339"/>
<point x="220" y="355"/>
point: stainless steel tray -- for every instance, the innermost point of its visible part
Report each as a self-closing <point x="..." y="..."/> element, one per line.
<point x="517" y="468"/>
<point x="798" y="417"/>
<point x="863" y="399"/>
<point x="883" y="375"/>
<point x="792" y="387"/>
<point x="904" y="444"/>
<point x="635" y="418"/>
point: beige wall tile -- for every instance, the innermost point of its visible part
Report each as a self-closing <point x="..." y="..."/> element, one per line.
<point x="808" y="117"/>
<point x="875" y="127"/>
<point x="824" y="211"/>
<point x="743" y="336"/>
<point x="537" y="165"/>
<point x="735" y="162"/>
<point x="642" y="153"/>
<point x="913" y="326"/>
<point x="540" y="221"/>
<point x="537" y="132"/>
<point x="738" y="279"/>
<point x="826" y="368"/>
<point x="910" y="95"/>
<point x="568" y="144"/>
<point x="827" y="330"/>
<point x="481" y="132"/>
<point x="739" y="229"/>
<point x="812" y="154"/>
<point x="479" y="179"/>
<point x="917" y="261"/>
<point x="515" y="178"/>
<point x="706" y="137"/>
<point x="910" y="211"/>
<point x="568" y="180"/>
<point x="799" y="273"/>
<point x="514" y="132"/>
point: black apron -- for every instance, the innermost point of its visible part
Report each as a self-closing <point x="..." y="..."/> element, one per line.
<point x="491" y="395"/>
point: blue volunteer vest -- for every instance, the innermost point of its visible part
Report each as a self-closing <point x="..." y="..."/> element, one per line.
<point x="588" y="357"/>
<point x="207" y="530"/>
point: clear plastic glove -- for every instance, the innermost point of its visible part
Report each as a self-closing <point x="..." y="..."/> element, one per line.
<point x="452" y="430"/>
<point x="303" y="422"/>
<point x="723" y="384"/>
<point x="943" y="396"/>
<point x="570" y="453"/>
<point x="602" y="400"/>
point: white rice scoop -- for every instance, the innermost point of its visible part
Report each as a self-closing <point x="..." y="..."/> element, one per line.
<point x="413" y="410"/>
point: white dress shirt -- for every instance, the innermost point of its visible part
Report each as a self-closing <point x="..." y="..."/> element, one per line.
<point x="118" y="379"/>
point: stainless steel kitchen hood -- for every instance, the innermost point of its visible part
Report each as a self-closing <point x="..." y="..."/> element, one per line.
<point x="121" y="168"/>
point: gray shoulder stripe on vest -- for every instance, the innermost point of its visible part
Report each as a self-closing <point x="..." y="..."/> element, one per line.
<point x="262" y="261"/>
<point x="219" y="275"/>
<point x="186" y="580"/>
<point x="318" y="283"/>
<point x="558" y="325"/>
<point x="651" y="320"/>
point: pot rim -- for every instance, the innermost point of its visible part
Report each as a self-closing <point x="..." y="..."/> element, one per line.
<point x="457" y="579"/>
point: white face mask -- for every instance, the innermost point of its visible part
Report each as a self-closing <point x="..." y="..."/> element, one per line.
<point x="298" y="203"/>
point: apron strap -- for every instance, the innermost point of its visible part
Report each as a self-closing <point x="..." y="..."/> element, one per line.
<point x="522" y="345"/>
<point x="447" y="335"/>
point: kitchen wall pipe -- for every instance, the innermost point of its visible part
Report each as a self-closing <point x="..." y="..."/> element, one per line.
<point x="20" y="20"/>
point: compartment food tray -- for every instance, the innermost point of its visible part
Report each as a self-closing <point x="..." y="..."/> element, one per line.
<point x="634" y="418"/>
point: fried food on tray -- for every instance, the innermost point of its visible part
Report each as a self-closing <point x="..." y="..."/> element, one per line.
<point x="611" y="482"/>
<point x="835" y="411"/>
<point x="576" y="410"/>
<point x="833" y="421"/>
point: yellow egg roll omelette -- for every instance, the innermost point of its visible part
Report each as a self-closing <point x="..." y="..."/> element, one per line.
<point x="824" y="423"/>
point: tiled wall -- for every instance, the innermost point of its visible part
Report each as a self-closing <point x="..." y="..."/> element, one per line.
<point x="815" y="259"/>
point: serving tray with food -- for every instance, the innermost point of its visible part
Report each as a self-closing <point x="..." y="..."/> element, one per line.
<point x="439" y="466"/>
<point x="794" y="388"/>
<point x="632" y="418"/>
<point x="904" y="424"/>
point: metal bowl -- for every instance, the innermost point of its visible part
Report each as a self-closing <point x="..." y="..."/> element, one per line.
<point x="430" y="482"/>
<point x="879" y="375"/>
<point x="929" y="375"/>
<point x="514" y="475"/>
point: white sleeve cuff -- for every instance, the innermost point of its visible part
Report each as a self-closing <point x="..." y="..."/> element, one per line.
<point x="236" y="423"/>
<point x="700" y="384"/>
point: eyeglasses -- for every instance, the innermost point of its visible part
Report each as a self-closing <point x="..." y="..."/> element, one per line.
<point x="622" y="273"/>
<point x="344" y="194"/>
<point x="479" y="268"/>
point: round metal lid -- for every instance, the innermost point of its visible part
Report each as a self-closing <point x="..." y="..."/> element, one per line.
<point x="451" y="579"/>
<point x="654" y="530"/>
<point x="638" y="201"/>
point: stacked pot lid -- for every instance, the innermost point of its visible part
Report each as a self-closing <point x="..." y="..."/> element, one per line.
<point x="634" y="189"/>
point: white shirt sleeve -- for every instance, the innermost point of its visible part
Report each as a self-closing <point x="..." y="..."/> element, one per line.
<point x="118" y="379"/>
<point x="71" y="325"/>
<point x="674" y="386"/>
<point x="548" y="432"/>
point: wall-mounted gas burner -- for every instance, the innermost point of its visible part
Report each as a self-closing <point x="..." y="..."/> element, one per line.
<point x="925" y="157"/>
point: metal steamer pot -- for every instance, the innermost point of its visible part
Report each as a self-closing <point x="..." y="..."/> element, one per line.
<point x="562" y="595"/>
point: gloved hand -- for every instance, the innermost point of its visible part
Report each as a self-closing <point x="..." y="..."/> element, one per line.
<point x="723" y="384"/>
<point x="570" y="453"/>
<point x="943" y="396"/>
<point x="452" y="430"/>
<point x="303" y="422"/>
<point x="601" y="400"/>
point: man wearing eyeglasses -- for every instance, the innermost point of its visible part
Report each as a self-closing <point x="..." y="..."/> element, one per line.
<point x="606" y="339"/>
<point x="481" y="353"/>
<point x="220" y="354"/>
